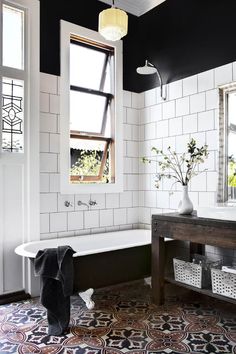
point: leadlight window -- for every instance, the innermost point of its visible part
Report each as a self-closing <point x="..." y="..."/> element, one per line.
<point x="12" y="79"/>
<point x="91" y="114"/>
<point x="12" y="115"/>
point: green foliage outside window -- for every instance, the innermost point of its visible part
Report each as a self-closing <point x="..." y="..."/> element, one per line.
<point x="232" y="172"/>
<point x="88" y="164"/>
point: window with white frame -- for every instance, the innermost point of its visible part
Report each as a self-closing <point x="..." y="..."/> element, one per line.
<point x="91" y="111"/>
<point x="13" y="77"/>
<point x="231" y="109"/>
<point x="227" y="143"/>
<point x="91" y="98"/>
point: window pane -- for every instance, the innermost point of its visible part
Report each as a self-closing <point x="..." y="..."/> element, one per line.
<point x="13" y="37"/>
<point x="232" y="108"/>
<point x="86" y="112"/>
<point x="232" y="144"/>
<point x="12" y="115"/>
<point x="232" y="166"/>
<point x="86" y="159"/>
<point x="86" y="67"/>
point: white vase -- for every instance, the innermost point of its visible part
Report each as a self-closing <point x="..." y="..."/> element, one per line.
<point x="185" y="206"/>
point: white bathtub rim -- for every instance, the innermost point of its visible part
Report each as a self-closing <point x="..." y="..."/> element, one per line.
<point x="145" y="240"/>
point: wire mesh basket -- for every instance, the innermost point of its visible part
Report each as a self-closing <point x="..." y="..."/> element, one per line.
<point x="196" y="273"/>
<point x="223" y="283"/>
<point x="187" y="272"/>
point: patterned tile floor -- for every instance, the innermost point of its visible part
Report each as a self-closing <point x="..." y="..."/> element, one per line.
<point x="124" y="320"/>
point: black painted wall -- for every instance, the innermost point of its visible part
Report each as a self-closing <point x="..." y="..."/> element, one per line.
<point x="181" y="37"/>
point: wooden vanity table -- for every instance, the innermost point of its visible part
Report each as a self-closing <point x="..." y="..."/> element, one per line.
<point x="200" y="232"/>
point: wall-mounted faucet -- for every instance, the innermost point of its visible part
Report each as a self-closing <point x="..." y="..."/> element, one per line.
<point x="79" y="203"/>
<point x="90" y="203"/>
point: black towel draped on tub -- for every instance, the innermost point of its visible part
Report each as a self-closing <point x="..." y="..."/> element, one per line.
<point x="55" y="267"/>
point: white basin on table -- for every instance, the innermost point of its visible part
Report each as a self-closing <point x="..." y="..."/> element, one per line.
<point x="218" y="212"/>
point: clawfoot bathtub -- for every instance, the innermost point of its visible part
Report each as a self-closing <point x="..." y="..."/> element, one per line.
<point x="102" y="259"/>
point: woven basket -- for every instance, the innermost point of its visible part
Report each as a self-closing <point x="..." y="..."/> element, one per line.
<point x="223" y="283"/>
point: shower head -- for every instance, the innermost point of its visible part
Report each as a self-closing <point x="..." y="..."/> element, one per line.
<point x="149" y="69"/>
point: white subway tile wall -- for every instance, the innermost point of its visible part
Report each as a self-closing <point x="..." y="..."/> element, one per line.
<point x="112" y="211"/>
<point x="191" y="110"/>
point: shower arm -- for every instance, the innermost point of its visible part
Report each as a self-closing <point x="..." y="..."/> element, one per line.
<point x="159" y="77"/>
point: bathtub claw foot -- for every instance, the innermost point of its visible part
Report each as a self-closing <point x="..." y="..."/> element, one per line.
<point x="86" y="297"/>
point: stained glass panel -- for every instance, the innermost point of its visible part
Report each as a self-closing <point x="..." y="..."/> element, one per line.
<point x="12" y="115"/>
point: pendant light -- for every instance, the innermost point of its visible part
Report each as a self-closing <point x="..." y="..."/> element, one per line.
<point x="113" y="23"/>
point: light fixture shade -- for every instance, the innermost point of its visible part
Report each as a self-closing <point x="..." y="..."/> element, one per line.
<point x="113" y="24"/>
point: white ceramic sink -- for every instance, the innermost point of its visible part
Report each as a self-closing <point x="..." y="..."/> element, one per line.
<point x="217" y="212"/>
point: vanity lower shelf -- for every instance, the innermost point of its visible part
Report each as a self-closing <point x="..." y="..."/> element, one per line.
<point x="170" y="279"/>
<point x="198" y="232"/>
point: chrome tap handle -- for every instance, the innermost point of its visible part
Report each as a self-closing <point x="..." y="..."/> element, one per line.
<point x="68" y="204"/>
<point x="92" y="202"/>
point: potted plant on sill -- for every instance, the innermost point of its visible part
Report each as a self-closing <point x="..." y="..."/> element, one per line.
<point x="182" y="168"/>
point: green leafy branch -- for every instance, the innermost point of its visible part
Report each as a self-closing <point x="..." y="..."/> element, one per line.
<point x="182" y="168"/>
<point x="232" y="172"/>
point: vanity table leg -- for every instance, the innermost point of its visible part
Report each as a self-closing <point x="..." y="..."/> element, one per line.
<point x="158" y="255"/>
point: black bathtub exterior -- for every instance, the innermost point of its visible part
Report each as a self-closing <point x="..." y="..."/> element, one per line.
<point x="110" y="268"/>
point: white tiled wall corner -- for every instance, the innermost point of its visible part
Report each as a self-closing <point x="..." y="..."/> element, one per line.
<point x="190" y="111"/>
